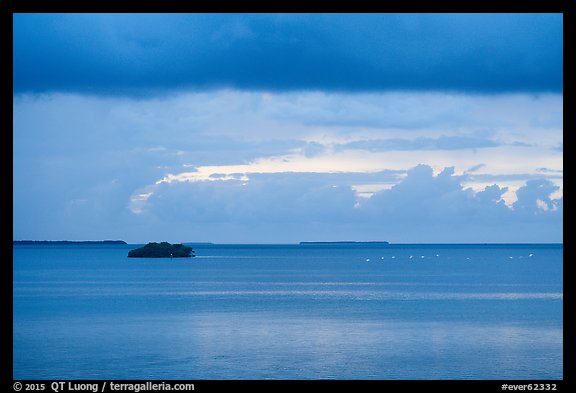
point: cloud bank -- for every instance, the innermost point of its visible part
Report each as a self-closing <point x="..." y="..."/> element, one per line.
<point x="293" y="207"/>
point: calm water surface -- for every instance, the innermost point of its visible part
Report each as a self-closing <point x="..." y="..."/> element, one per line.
<point x="289" y="312"/>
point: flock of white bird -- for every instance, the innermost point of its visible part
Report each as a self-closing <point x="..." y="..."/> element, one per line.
<point x="437" y="255"/>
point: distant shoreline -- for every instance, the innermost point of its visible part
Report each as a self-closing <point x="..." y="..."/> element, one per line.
<point x="65" y="242"/>
<point x="347" y="242"/>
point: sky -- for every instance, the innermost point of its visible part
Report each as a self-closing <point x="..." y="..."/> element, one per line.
<point x="280" y="128"/>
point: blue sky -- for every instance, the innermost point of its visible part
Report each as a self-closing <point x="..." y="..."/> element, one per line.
<point x="265" y="128"/>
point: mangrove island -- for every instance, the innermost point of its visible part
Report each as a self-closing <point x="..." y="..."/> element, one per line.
<point x="162" y="250"/>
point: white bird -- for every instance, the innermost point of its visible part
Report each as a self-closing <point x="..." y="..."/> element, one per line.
<point x="530" y="255"/>
<point x="367" y="259"/>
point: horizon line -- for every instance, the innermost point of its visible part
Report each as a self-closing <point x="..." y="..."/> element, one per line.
<point x="329" y="242"/>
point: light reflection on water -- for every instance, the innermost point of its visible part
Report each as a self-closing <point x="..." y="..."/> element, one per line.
<point x="255" y="345"/>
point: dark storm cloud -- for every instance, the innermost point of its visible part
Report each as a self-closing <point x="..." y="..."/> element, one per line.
<point x="143" y="54"/>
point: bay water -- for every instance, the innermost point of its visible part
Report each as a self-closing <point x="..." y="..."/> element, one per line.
<point x="322" y="311"/>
